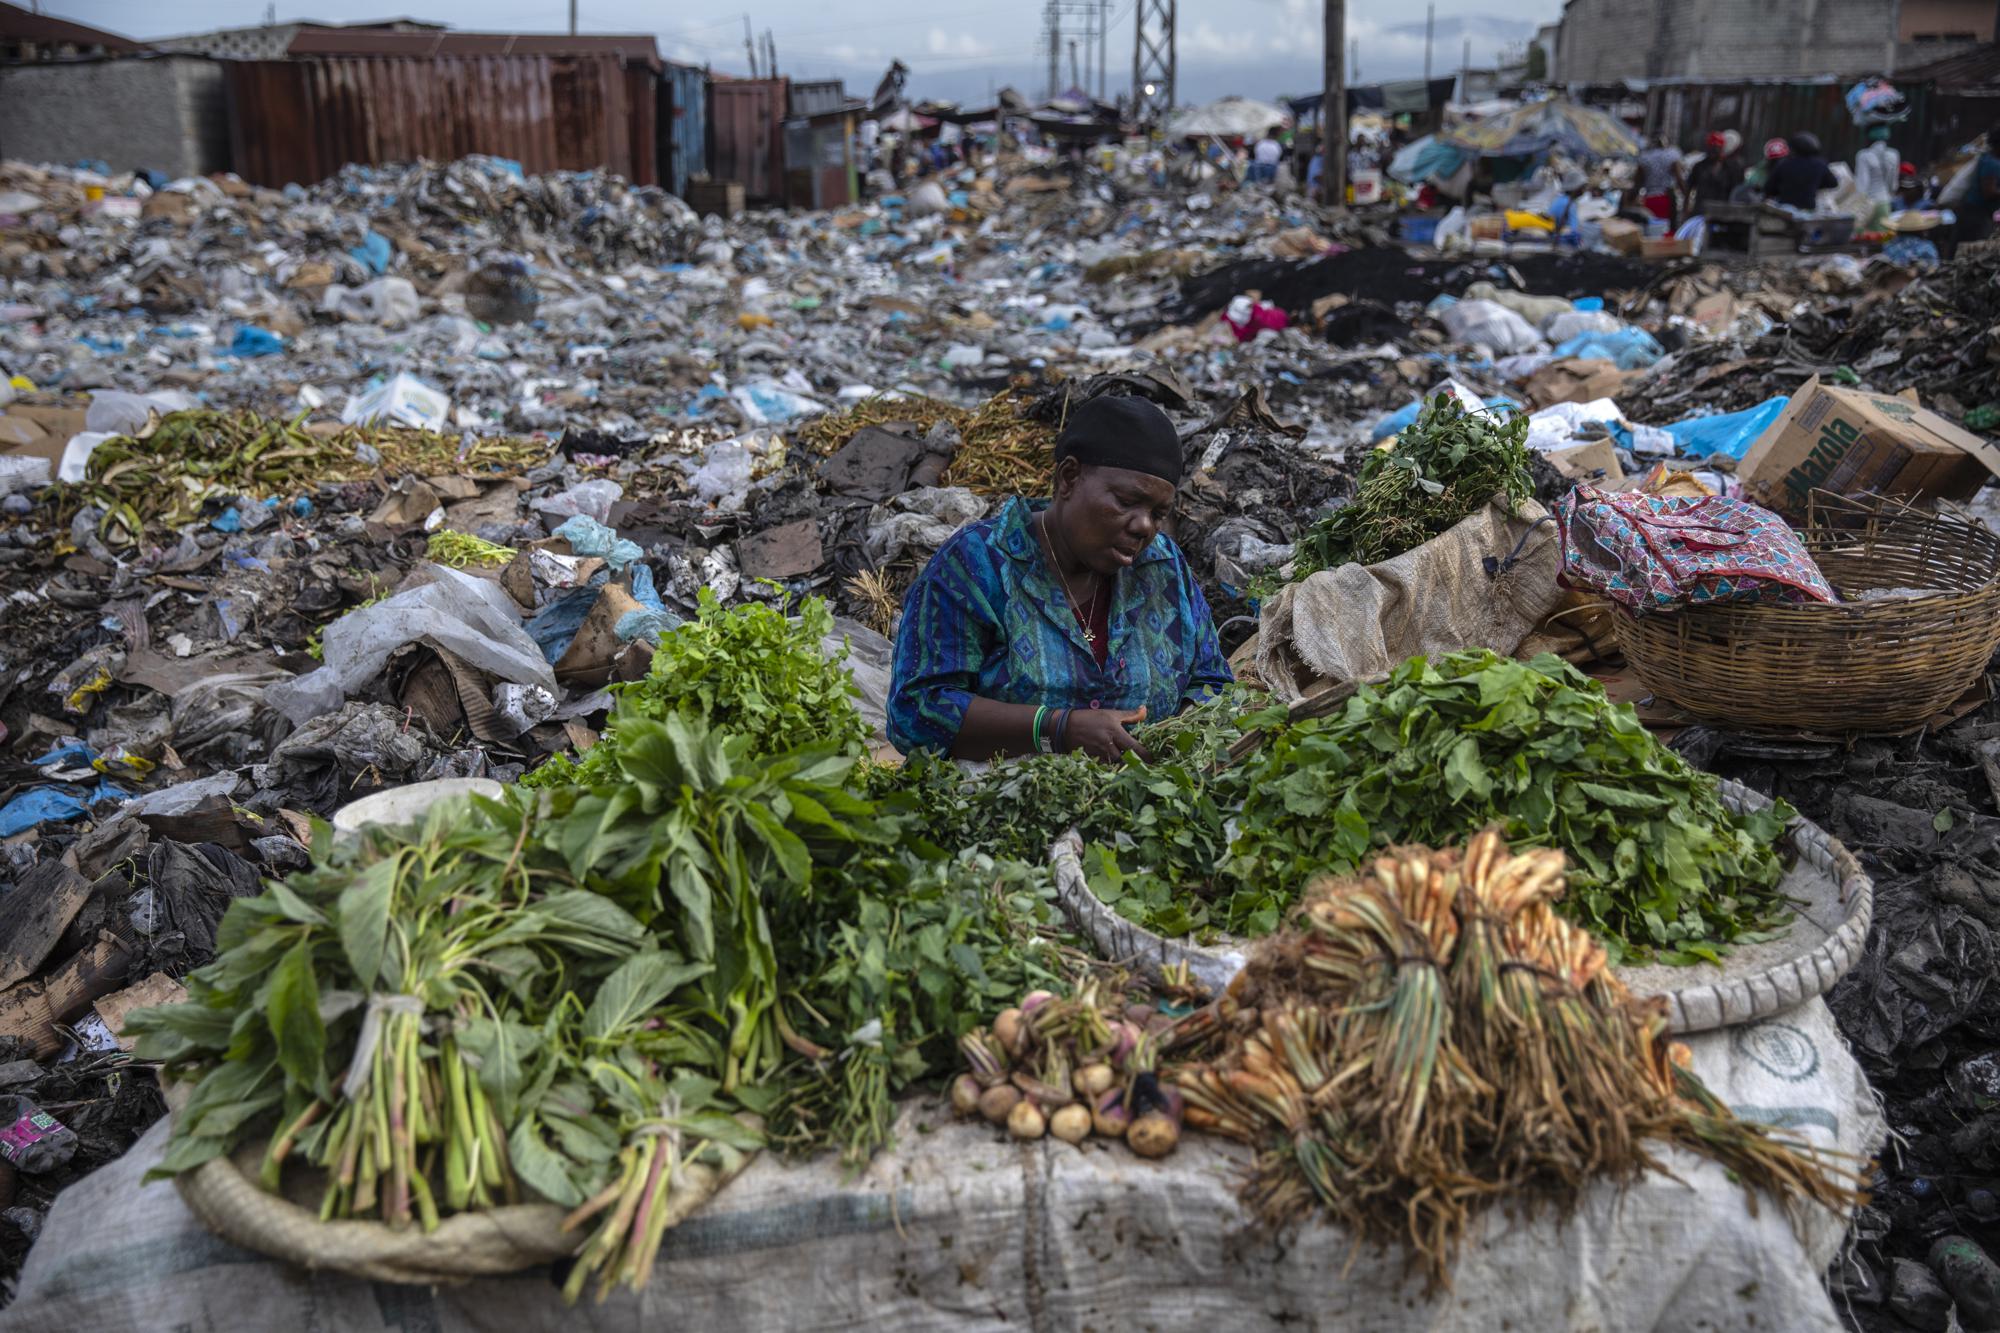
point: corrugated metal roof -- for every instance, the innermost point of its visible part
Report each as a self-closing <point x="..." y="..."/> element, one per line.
<point x="1969" y="69"/>
<point x="358" y="42"/>
<point x="22" y="25"/>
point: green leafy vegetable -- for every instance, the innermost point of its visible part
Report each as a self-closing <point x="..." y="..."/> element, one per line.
<point x="749" y="671"/>
<point x="1442" y="469"/>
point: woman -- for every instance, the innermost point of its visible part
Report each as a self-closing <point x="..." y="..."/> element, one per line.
<point x="1054" y="627"/>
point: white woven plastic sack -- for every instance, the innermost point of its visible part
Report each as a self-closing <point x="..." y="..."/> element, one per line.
<point x="960" y="1228"/>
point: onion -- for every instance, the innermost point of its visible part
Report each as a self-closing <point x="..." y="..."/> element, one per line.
<point x="1010" y="1031"/>
<point x="1124" y="1037"/>
<point x="1026" y="1120"/>
<point x="1153" y="1134"/>
<point x="1071" y="1124"/>
<point x="1108" y="1115"/>
<point x="1034" y="1000"/>
<point x="1139" y="1013"/>
<point x="1092" y="1081"/>
<point x="965" y="1091"/>
<point x="998" y="1102"/>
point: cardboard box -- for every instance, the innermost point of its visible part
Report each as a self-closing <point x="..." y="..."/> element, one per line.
<point x="1665" y="247"/>
<point x="1623" y="236"/>
<point x="723" y="197"/>
<point x="1575" y="380"/>
<point x="1596" y="462"/>
<point x="1488" y="227"/>
<point x="1854" y="443"/>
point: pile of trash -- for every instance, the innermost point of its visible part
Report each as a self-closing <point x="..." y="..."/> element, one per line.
<point x="312" y="494"/>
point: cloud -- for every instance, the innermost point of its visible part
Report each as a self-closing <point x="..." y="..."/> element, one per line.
<point x="963" y="44"/>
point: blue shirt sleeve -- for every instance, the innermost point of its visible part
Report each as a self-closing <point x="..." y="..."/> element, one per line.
<point x="1208" y="670"/>
<point x="949" y="629"/>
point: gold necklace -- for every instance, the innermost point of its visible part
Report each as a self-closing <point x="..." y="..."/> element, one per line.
<point x="1055" y="563"/>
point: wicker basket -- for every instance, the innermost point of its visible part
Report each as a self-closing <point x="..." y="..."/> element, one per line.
<point x="1838" y="668"/>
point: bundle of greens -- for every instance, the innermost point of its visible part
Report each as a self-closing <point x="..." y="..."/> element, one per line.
<point x="1429" y="1038"/>
<point x="573" y="994"/>
<point x="1659" y="867"/>
<point x="1199" y="844"/>
<point x="749" y="670"/>
<point x="1439" y="471"/>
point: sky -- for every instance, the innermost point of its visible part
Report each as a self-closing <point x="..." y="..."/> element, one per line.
<point x="956" y="50"/>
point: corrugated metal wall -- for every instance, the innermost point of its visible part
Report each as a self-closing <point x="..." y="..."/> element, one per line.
<point x="746" y="136"/>
<point x="302" y="120"/>
<point x="1687" y="112"/>
<point x="683" y="112"/>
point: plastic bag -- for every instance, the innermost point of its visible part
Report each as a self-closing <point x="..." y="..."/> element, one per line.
<point x="471" y="618"/>
<point x="1626" y="347"/>
<point x="404" y="400"/>
<point x="389" y="302"/>
<point x="765" y="403"/>
<point x="115" y="413"/>
<point x="1488" y="324"/>
<point x="919" y="521"/>
<point x="588" y="537"/>
<point x="1727" y="433"/>
<point x="1573" y="323"/>
<point x="592" y="499"/>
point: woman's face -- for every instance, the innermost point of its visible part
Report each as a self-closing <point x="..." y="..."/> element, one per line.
<point x="1108" y="515"/>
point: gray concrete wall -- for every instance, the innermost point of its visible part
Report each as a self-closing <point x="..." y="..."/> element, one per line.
<point x="1606" y="40"/>
<point x="165" y="114"/>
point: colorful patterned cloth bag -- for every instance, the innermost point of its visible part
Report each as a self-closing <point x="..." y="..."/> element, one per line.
<point x="1659" y="552"/>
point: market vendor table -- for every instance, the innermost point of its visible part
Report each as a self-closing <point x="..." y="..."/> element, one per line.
<point x="960" y="1227"/>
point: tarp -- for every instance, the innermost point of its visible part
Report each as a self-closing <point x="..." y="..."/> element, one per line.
<point x="1425" y="159"/>
<point x="1232" y="117"/>
<point x="1582" y="132"/>
<point x="958" y="1226"/>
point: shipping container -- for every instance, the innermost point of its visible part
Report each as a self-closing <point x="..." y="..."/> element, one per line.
<point x="303" y="120"/>
<point x="820" y="168"/>
<point x="746" y="136"/>
<point x="683" y="133"/>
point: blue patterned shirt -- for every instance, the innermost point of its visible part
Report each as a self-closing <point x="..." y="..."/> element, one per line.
<point x="987" y="618"/>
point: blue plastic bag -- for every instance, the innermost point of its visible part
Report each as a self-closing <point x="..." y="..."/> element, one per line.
<point x="1730" y="434"/>
<point x="1627" y="348"/>
<point x="587" y="537"/>
<point x="253" y="341"/>
<point x="39" y="805"/>
<point x="373" y="252"/>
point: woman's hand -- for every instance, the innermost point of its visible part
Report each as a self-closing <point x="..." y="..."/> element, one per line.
<point x="1101" y="734"/>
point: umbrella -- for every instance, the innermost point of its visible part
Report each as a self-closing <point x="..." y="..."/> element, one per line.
<point x="1232" y="117"/>
<point x="1582" y="132"/>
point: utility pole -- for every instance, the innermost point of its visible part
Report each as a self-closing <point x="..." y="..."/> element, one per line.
<point x="1430" y="30"/>
<point x="572" y="16"/>
<point x="1155" y="51"/>
<point x="1333" y="110"/>
<point x="1053" y="17"/>
<point x="750" y="46"/>
<point x="1103" y="48"/>
<point x="770" y="55"/>
<point x="1465" y="73"/>
<point x="1073" y="81"/>
<point x="1354" y="61"/>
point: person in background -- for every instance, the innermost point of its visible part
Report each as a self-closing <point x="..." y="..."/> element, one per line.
<point x="1911" y="189"/>
<point x="1875" y="167"/>
<point x="1315" y="170"/>
<point x="1659" y="178"/>
<point x="1055" y="625"/>
<point x="1715" y="178"/>
<point x="1265" y="158"/>
<point x="1796" y="179"/>
<point x="1982" y="194"/>
<point x="1757" y="178"/>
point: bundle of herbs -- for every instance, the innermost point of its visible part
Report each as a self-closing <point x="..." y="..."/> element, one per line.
<point x="750" y="670"/>
<point x="1205" y="843"/>
<point x="575" y="994"/>
<point x="1448" y="464"/>
<point x="1430" y="1038"/>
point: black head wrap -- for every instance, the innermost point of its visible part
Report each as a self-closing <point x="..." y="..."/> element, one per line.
<point x="1122" y="432"/>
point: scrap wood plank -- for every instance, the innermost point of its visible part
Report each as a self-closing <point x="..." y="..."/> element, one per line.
<point x="32" y="1009"/>
<point x="35" y="915"/>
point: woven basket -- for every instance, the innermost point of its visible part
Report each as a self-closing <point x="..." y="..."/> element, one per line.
<point x="1833" y="900"/>
<point x="1838" y="668"/>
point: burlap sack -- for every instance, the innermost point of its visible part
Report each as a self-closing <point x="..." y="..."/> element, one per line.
<point x="225" y="1197"/>
<point x="1361" y="620"/>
